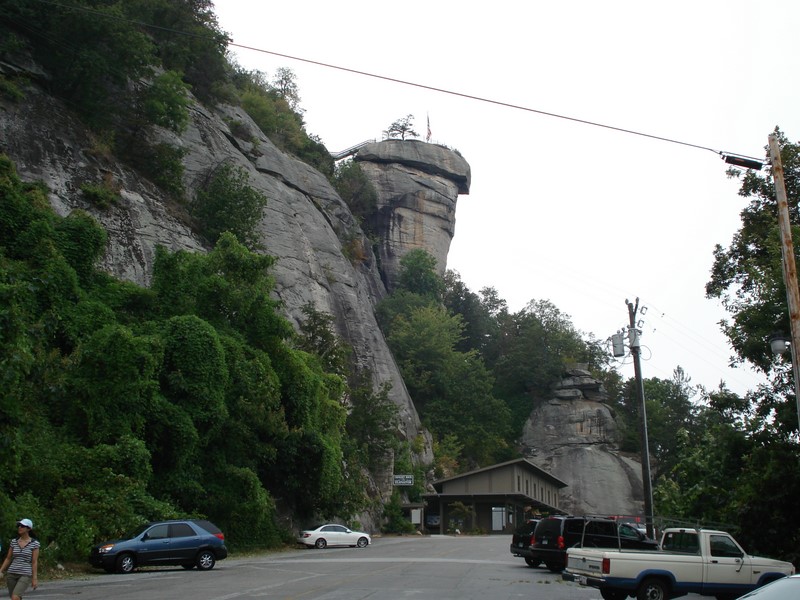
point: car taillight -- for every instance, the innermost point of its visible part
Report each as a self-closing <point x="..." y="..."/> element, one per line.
<point x="606" y="566"/>
<point x="306" y="534"/>
<point x="220" y="535"/>
<point x="533" y="540"/>
<point x="560" y="543"/>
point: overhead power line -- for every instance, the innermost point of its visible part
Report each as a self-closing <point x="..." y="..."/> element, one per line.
<point x="729" y="157"/>
<point x="733" y="158"/>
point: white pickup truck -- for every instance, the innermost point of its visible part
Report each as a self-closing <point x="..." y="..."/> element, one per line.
<point x="700" y="561"/>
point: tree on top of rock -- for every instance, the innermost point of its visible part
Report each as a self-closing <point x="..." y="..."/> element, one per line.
<point x="402" y="128"/>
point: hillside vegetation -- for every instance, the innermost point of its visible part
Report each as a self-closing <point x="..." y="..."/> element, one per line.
<point x="121" y="404"/>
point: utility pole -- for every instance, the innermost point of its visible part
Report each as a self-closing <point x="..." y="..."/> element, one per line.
<point x="789" y="268"/>
<point x="635" y="345"/>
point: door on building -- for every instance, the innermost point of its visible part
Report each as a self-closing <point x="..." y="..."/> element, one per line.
<point x="498" y="518"/>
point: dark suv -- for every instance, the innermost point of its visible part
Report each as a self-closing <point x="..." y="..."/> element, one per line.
<point x="521" y="542"/>
<point x="188" y="543"/>
<point x="554" y="535"/>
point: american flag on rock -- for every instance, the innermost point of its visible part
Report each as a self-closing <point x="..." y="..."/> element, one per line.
<point x="428" y="137"/>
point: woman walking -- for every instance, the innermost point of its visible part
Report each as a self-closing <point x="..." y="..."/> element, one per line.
<point x="22" y="561"/>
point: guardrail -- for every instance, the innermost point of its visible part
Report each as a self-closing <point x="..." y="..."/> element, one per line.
<point x="350" y="151"/>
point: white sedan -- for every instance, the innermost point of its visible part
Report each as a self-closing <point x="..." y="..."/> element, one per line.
<point x="333" y="535"/>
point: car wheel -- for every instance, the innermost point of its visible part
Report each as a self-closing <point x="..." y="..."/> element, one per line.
<point x="126" y="563"/>
<point x="613" y="594"/>
<point x="321" y="543"/>
<point x="206" y="560"/>
<point x="362" y="542"/>
<point x="533" y="562"/>
<point x="653" y="589"/>
<point x="188" y="566"/>
<point x="554" y="567"/>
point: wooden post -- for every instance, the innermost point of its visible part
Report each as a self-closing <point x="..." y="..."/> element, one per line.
<point x="789" y="268"/>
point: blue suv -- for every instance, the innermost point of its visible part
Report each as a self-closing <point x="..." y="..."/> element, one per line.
<point x="189" y="543"/>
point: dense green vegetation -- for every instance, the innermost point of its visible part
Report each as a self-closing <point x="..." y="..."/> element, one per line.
<point x="121" y="404"/>
<point x="472" y="368"/>
<point x="126" y="67"/>
<point x="226" y="202"/>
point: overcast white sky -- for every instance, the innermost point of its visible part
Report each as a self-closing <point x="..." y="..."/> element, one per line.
<point x="583" y="216"/>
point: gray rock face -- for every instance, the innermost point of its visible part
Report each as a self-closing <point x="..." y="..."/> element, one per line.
<point x="573" y="435"/>
<point x="305" y="224"/>
<point x="418" y="186"/>
<point x="601" y="482"/>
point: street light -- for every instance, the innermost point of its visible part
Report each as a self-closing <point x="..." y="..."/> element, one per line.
<point x="779" y="344"/>
<point x="746" y="162"/>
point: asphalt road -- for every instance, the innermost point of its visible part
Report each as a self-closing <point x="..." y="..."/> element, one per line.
<point x="392" y="568"/>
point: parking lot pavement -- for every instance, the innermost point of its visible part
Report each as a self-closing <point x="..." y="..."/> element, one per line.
<point x="435" y="567"/>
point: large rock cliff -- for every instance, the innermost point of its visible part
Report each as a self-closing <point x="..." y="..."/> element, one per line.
<point x="418" y="185"/>
<point x="305" y="225"/>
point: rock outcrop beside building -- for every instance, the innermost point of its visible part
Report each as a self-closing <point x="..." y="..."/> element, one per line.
<point x="573" y="435"/>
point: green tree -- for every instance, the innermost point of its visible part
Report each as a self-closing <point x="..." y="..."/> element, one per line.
<point x="698" y="486"/>
<point x="228" y="203"/>
<point x="285" y="83"/>
<point x="531" y="351"/>
<point x="480" y="324"/>
<point x="452" y="390"/>
<point x="446" y="453"/>
<point x="200" y="53"/>
<point x="402" y="128"/>
<point x="669" y="409"/>
<point x="418" y="275"/>
<point x="461" y="516"/>
<point x="357" y="191"/>
<point x="395" y="521"/>
<point x="318" y="338"/>
<point x="738" y="464"/>
<point x="165" y="102"/>
<point x="747" y="276"/>
<point x="372" y="422"/>
<point x="272" y="112"/>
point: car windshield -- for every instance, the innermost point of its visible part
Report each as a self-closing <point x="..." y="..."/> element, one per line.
<point x="136" y="532"/>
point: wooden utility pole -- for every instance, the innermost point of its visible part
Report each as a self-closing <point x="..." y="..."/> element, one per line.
<point x="789" y="268"/>
<point x="635" y="345"/>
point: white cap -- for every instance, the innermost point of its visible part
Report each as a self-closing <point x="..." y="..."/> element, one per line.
<point x="26" y="522"/>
